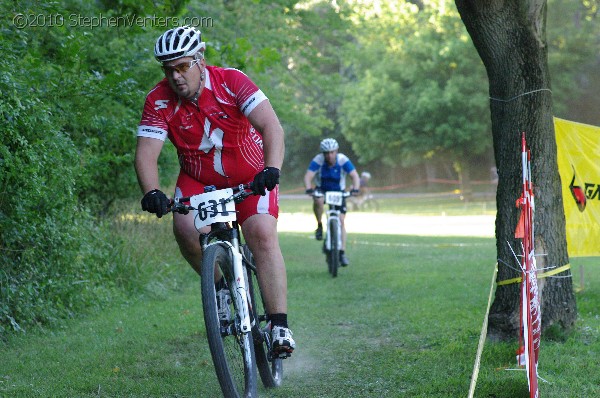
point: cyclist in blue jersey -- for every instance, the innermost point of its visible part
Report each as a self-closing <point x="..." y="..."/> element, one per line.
<point x="329" y="170"/>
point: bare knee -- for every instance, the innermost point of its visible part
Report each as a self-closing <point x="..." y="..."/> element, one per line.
<point x="187" y="238"/>
<point x="261" y="233"/>
<point x="263" y="242"/>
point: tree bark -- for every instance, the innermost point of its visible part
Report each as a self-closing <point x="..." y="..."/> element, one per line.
<point x="510" y="38"/>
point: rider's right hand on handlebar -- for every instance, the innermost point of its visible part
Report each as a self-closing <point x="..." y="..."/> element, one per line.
<point x="156" y="202"/>
<point x="309" y="191"/>
<point x="265" y="181"/>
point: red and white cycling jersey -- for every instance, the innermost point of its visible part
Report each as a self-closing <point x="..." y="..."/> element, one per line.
<point x="216" y="143"/>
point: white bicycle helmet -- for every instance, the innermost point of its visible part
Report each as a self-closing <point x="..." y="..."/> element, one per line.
<point x="329" y="144"/>
<point x="184" y="41"/>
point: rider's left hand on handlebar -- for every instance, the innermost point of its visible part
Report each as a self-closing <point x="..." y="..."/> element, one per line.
<point x="156" y="202"/>
<point x="268" y="178"/>
<point x="354" y="192"/>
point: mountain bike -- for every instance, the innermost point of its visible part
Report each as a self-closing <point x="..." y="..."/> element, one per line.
<point x="364" y="202"/>
<point x="332" y="241"/>
<point x="241" y="345"/>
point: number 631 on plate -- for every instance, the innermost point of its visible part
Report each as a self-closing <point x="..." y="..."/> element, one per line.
<point x="213" y="207"/>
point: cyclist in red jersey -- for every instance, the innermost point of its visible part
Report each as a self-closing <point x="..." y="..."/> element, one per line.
<point x="226" y="133"/>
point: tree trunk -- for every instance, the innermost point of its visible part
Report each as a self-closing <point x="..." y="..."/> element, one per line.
<point x="510" y="38"/>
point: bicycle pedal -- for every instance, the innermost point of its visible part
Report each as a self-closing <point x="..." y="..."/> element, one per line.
<point x="280" y="355"/>
<point x="283" y="355"/>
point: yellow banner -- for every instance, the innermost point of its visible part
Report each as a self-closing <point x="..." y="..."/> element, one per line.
<point x="579" y="167"/>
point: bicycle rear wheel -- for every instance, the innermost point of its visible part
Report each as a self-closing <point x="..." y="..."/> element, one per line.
<point x="334" y="252"/>
<point x="232" y="351"/>
<point x="270" y="369"/>
<point x="354" y="203"/>
<point x="370" y="204"/>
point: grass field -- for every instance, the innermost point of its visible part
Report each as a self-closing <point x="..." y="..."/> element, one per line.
<point x="427" y="205"/>
<point x="403" y="320"/>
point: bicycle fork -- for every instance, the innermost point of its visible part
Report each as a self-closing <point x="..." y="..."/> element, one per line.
<point x="239" y="287"/>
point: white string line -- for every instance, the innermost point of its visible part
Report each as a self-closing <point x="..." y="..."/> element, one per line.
<point x="364" y="242"/>
<point x="516" y="256"/>
<point x="520" y="95"/>
<point x="523" y="370"/>
<point x="500" y="261"/>
<point x="392" y="244"/>
<point x="482" y="337"/>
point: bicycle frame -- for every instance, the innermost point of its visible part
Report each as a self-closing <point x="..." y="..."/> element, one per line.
<point x="334" y="200"/>
<point x="245" y="330"/>
<point x="333" y="215"/>
<point x="332" y="243"/>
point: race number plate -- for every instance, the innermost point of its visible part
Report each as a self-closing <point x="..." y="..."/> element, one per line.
<point x="333" y="198"/>
<point x="213" y="207"/>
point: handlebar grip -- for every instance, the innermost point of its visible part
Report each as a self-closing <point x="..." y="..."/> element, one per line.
<point x="176" y="206"/>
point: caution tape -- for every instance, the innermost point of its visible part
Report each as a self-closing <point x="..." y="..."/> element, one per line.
<point x="539" y="276"/>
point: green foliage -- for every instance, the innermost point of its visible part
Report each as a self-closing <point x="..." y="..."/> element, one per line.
<point x="572" y="35"/>
<point x="144" y="7"/>
<point x="47" y="248"/>
<point x="426" y="95"/>
<point x="71" y="99"/>
<point x="420" y="92"/>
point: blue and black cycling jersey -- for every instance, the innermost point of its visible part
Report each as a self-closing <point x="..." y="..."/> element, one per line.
<point x="331" y="178"/>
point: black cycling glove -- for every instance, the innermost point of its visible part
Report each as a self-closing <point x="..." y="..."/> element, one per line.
<point x="156" y="202"/>
<point x="354" y="192"/>
<point x="268" y="178"/>
<point x="309" y="191"/>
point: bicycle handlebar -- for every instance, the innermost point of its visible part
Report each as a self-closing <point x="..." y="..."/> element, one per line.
<point x="240" y="193"/>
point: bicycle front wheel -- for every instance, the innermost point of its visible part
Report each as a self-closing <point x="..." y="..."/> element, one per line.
<point x="334" y="253"/>
<point x="232" y="351"/>
<point x="269" y="368"/>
